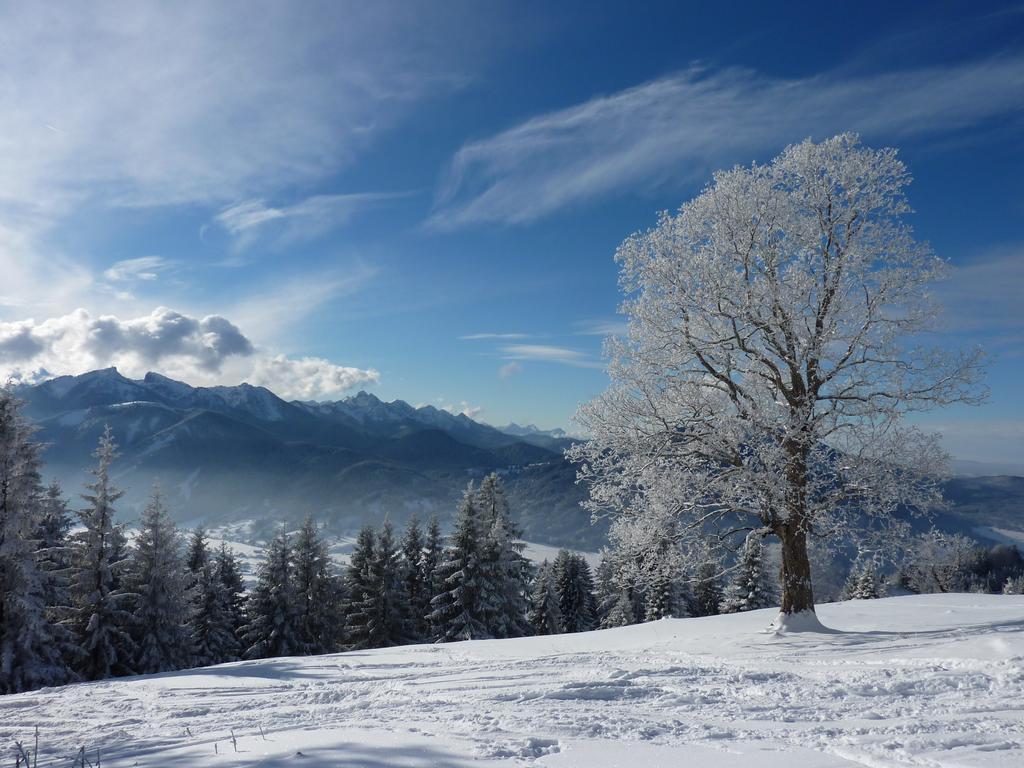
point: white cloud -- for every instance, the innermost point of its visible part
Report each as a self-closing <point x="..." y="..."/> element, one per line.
<point x="309" y="378"/>
<point x="142" y="268"/>
<point x="682" y="127"/>
<point x="80" y="341"/>
<point x="463" y="409"/>
<point x="982" y="301"/>
<point x="602" y="328"/>
<point x="508" y="370"/>
<point x="480" y="336"/>
<point x="304" y="220"/>
<point x="203" y="104"/>
<point x="201" y="351"/>
<point x="550" y="354"/>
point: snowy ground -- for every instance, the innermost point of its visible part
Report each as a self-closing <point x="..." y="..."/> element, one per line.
<point x="935" y="680"/>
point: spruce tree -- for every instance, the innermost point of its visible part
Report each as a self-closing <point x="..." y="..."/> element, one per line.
<point x="575" y="585"/>
<point x="664" y="596"/>
<point x="545" y="617"/>
<point x="862" y="583"/>
<point x="505" y="570"/>
<point x="360" y="586"/>
<point x="99" y="618"/>
<point x="391" y="621"/>
<point x="198" y="555"/>
<point x="54" y="555"/>
<point x="161" y="593"/>
<point x="271" y="609"/>
<point x="707" y="587"/>
<point x="212" y="623"/>
<point x="433" y="553"/>
<point x="751" y="587"/>
<point x="415" y="578"/>
<point x="229" y="573"/>
<point x="457" y="611"/>
<point x="30" y="652"/>
<point x="315" y="592"/>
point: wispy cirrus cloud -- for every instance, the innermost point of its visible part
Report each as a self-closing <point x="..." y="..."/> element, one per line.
<point x="683" y="126"/>
<point x="550" y="354"/>
<point x="144" y="104"/>
<point x="142" y="268"/>
<point x="247" y="221"/>
<point x="494" y="336"/>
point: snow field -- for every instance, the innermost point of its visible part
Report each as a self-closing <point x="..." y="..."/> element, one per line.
<point x="934" y="680"/>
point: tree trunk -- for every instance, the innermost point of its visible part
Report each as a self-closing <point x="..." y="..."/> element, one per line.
<point x="797" y="591"/>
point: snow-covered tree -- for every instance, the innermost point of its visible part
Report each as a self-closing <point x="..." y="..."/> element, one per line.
<point x="198" y="555"/>
<point x="378" y="615"/>
<point x="315" y="592"/>
<point x="457" y="611"/>
<point x="54" y="554"/>
<point x="939" y="562"/>
<point x="161" y="593"/>
<point x="30" y="651"/>
<point x="766" y="372"/>
<point x="416" y="579"/>
<point x="706" y="598"/>
<point x="750" y="586"/>
<point x="99" y="618"/>
<point x="229" y="574"/>
<point x="213" y="623"/>
<point x="271" y="609"/>
<point x="545" y="616"/>
<point x="575" y="585"/>
<point x="1014" y="586"/>
<point x="433" y="554"/>
<point x="863" y="582"/>
<point x="506" y="571"/>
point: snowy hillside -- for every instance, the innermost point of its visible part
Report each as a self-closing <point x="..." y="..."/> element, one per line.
<point x="934" y="680"/>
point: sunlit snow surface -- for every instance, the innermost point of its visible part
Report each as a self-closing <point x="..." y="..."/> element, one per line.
<point x="935" y="680"/>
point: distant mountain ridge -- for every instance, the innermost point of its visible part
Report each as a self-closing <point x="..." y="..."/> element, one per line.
<point x="222" y="453"/>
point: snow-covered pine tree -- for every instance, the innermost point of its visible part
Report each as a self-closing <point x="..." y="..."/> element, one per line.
<point x="1014" y="586"/>
<point x="862" y="583"/>
<point x="359" y="584"/>
<point x="663" y="596"/>
<point x="433" y="553"/>
<point x="415" y="579"/>
<point x="391" y="623"/>
<point x="29" y="655"/>
<point x="751" y="586"/>
<point x="54" y="554"/>
<point x="315" y="592"/>
<point x="198" y="550"/>
<point x="575" y="585"/>
<point x="271" y="606"/>
<point x="544" y="616"/>
<point x="707" y="586"/>
<point x="456" y="611"/>
<point x="212" y="625"/>
<point x="161" y="595"/>
<point x="506" y="571"/>
<point x="229" y="573"/>
<point x="99" y="619"/>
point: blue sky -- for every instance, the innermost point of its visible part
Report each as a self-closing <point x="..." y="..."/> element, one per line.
<point x="424" y="199"/>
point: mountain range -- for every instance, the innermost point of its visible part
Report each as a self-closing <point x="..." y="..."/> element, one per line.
<point x="224" y="454"/>
<point x="221" y="454"/>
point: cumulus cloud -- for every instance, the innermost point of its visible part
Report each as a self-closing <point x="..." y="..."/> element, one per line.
<point x="80" y="341"/>
<point x="206" y="350"/>
<point x="309" y="378"/>
<point x="681" y="127"/>
<point x="463" y="409"/>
